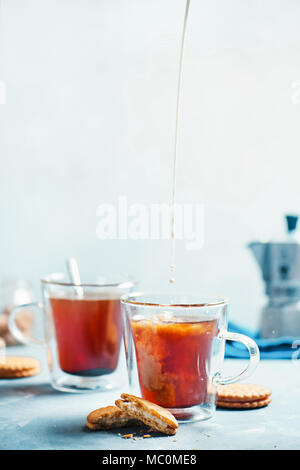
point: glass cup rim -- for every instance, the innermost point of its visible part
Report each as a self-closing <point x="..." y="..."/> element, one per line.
<point x="59" y="279"/>
<point x="210" y="301"/>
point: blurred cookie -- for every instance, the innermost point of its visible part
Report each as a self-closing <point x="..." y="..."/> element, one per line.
<point x="158" y="418"/>
<point x="20" y="373"/>
<point x="17" y="367"/>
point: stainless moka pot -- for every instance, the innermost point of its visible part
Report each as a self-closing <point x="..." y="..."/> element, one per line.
<point x="280" y="266"/>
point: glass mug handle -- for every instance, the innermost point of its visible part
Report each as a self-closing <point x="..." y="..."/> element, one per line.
<point x="253" y="357"/>
<point x="15" y="330"/>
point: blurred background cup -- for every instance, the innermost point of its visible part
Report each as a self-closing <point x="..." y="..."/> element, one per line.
<point x="175" y="349"/>
<point x="81" y="329"/>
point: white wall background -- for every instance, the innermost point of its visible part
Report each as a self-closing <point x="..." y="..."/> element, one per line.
<point x="91" y="87"/>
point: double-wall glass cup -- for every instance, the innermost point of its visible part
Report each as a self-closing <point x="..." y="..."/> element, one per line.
<point x="82" y="332"/>
<point x="174" y="348"/>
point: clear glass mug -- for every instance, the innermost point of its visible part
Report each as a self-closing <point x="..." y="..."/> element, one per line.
<point x="82" y="332"/>
<point x="174" y="348"/>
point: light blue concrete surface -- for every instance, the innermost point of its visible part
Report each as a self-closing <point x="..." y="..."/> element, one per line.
<point x="34" y="416"/>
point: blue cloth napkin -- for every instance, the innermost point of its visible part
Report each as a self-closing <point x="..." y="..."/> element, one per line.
<point x="274" y="348"/>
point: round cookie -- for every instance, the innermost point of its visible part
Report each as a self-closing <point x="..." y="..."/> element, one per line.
<point x="242" y="393"/>
<point x="17" y="367"/>
<point x="20" y="373"/>
<point x="243" y="405"/>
